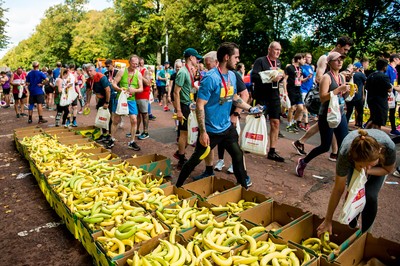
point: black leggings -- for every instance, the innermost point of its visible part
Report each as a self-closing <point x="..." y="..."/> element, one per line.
<point x="372" y="188"/>
<point x="359" y="106"/>
<point x="229" y="141"/>
<point x="392" y="117"/>
<point x="326" y="134"/>
<point x="60" y="111"/>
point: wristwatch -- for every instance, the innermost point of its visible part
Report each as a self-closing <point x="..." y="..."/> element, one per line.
<point x="236" y="114"/>
<point x="106" y="102"/>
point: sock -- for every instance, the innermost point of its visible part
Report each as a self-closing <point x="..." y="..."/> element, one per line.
<point x="30" y="117"/>
<point x="74" y="118"/>
<point x="306" y="124"/>
<point x="58" y="117"/>
<point x="181" y="157"/>
<point x="209" y="169"/>
<point x="298" y="123"/>
<point x="271" y="150"/>
<point x="40" y="117"/>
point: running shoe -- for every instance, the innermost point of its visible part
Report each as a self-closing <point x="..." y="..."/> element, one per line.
<point x="299" y="147"/>
<point x="137" y="134"/>
<point x="332" y="157"/>
<point x="275" y="157"/>
<point x="67" y="123"/>
<point x="180" y="164"/>
<point x="29" y="121"/>
<point x="143" y="136"/>
<point x="132" y="145"/>
<point x="203" y="175"/>
<point x="74" y="123"/>
<point x="395" y="133"/>
<point x="110" y="144"/>
<point x="248" y="182"/>
<point x="17" y="115"/>
<point x="219" y="165"/>
<point x="230" y="169"/>
<point x="290" y="129"/>
<point x="152" y="117"/>
<point x="301" y="165"/>
<point x="42" y="121"/>
<point x="396" y="173"/>
<point x="166" y="109"/>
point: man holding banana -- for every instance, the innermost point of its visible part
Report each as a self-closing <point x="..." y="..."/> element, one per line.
<point x="216" y="95"/>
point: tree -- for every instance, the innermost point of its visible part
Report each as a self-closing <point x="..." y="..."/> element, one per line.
<point x="3" y="22"/>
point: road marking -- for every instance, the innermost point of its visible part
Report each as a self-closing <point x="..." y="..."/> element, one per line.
<point x="5" y="165"/>
<point x="37" y="229"/>
<point x="318" y="176"/>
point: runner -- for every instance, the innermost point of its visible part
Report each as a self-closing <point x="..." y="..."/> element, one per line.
<point x="142" y="100"/>
<point x="18" y="82"/>
<point x="35" y="80"/>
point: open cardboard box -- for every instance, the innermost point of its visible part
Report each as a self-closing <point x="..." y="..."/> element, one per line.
<point x="56" y="130"/>
<point x="102" y="156"/>
<point x="235" y="195"/>
<point x="342" y="234"/>
<point x="208" y="186"/>
<point x="297" y="250"/>
<point x="367" y="247"/>
<point x="271" y="211"/>
<point x="156" y="164"/>
<point x="79" y="142"/>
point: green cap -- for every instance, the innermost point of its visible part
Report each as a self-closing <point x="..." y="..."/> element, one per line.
<point x="191" y="52"/>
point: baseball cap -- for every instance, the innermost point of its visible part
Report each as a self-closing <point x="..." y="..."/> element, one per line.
<point x="166" y="62"/>
<point x="334" y="55"/>
<point x="191" y="52"/>
<point x="358" y="65"/>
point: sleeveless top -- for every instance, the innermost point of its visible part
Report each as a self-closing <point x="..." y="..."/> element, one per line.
<point x="127" y="82"/>
<point x="323" y="110"/>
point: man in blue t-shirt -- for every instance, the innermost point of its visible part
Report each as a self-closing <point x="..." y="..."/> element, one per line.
<point x="391" y="72"/>
<point x="216" y="95"/>
<point x="35" y="80"/>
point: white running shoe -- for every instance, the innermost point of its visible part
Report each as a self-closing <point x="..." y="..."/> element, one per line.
<point x="220" y="164"/>
<point x="230" y="169"/>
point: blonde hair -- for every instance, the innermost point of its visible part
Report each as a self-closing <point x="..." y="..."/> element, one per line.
<point x="365" y="148"/>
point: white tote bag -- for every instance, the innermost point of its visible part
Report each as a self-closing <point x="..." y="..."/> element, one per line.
<point x="122" y="104"/>
<point x="285" y="101"/>
<point x="254" y="137"/>
<point x="102" y="118"/>
<point x="238" y="126"/>
<point x="72" y="94"/>
<point x="64" y="98"/>
<point x="334" y="116"/>
<point x="355" y="197"/>
<point x="193" y="128"/>
<point x="391" y="100"/>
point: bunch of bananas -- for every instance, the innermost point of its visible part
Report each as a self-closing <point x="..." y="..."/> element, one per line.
<point x="123" y="237"/>
<point x="183" y="216"/>
<point x="321" y="245"/>
<point x="235" y="207"/>
<point x="156" y="200"/>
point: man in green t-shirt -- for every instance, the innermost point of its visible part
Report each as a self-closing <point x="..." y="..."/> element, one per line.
<point x="130" y="80"/>
<point x="183" y="96"/>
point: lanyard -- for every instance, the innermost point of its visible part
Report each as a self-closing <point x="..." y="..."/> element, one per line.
<point x="270" y="63"/>
<point x="131" y="78"/>
<point x="336" y="80"/>
<point x="191" y="75"/>
<point x="110" y="75"/>
<point x="91" y="84"/>
<point x="223" y="82"/>
<point x="297" y="71"/>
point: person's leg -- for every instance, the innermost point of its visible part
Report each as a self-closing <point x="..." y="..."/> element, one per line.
<point x="349" y="110"/>
<point x="133" y="120"/>
<point x="326" y="134"/>
<point x="65" y="109"/>
<point x="360" y="113"/>
<point x="58" y="115"/>
<point x="340" y="132"/>
<point x="139" y="121"/>
<point x="372" y="188"/>
<point x="310" y="132"/>
<point x="392" y="118"/>
<point x="116" y="119"/>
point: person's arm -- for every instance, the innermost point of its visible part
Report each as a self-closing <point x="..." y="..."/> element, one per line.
<point x="240" y="103"/>
<point x="107" y="97"/>
<point x="321" y="67"/>
<point x="201" y="120"/>
<point x="12" y="80"/>
<point x="337" y="192"/>
<point x="177" y="100"/>
<point x="140" y="83"/>
<point x="117" y="79"/>
<point x="59" y="85"/>
<point x="146" y="79"/>
<point x="381" y="170"/>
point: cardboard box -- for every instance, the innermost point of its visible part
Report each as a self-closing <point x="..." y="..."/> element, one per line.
<point x="80" y="142"/>
<point x="271" y="211"/>
<point x="235" y="194"/>
<point x="94" y="151"/>
<point x="367" y="247"/>
<point x="157" y="164"/>
<point x="65" y="214"/>
<point x="208" y="186"/>
<point x="62" y="134"/>
<point x="55" y="130"/>
<point x="102" y="156"/>
<point x="342" y="235"/>
<point x="298" y="251"/>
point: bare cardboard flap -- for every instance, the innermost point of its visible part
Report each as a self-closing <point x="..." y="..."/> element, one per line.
<point x="26" y="128"/>
<point x="367" y="247"/>
<point x="79" y="142"/>
<point x="271" y="211"/>
<point x="343" y="235"/>
<point x="104" y="156"/>
<point x="235" y="195"/>
<point x="157" y="164"/>
<point x="208" y="186"/>
<point x="55" y="130"/>
<point x="93" y="151"/>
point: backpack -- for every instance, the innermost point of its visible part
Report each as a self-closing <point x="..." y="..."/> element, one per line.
<point x="312" y="101"/>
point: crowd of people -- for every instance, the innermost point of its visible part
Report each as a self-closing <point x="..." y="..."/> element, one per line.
<point x="218" y="90"/>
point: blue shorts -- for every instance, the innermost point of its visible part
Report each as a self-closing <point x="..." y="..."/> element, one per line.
<point x="133" y="110"/>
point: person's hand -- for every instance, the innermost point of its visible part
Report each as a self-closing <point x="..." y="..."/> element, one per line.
<point x="325" y="226"/>
<point x="204" y="139"/>
<point x="179" y="116"/>
<point x="233" y="119"/>
<point x="344" y="89"/>
<point x="105" y="105"/>
<point x="256" y="110"/>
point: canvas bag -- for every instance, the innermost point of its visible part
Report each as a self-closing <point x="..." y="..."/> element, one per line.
<point x="355" y="197"/>
<point x="122" y="104"/>
<point x="193" y="128"/>
<point x="254" y="136"/>
<point x="392" y="100"/>
<point x="102" y="118"/>
<point x="285" y="101"/>
<point x="64" y="98"/>
<point x="151" y="98"/>
<point x="72" y="94"/>
<point x="334" y="116"/>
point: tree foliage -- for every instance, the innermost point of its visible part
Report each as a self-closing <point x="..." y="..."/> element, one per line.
<point x="3" y="22"/>
<point x="67" y="33"/>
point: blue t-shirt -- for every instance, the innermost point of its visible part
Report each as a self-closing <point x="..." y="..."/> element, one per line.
<point x="306" y="85"/>
<point x="219" y="103"/>
<point x="56" y="73"/>
<point x="34" y="78"/>
<point x="391" y="73"/>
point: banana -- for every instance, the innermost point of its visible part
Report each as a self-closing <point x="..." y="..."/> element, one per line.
<point x="182" y="257"/>
<point x="219" y="260"/>
<point x="240" y="260"/>
<point x="125" y="235"/>
<point x="204" y="255"/>
<point x="252" y="243"/>
<point x="205" y="153"/>
<point x="295" y="261"/>
<point x="254" y="231"/>
<point x="267" y="258"/>
<point x="306" y="258"/>
<point x="213" y="246"/>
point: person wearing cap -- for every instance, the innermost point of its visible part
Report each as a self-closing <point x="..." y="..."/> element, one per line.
<point x="18" y="79"/>
<point x="57" y="70"/>
<point x="357" y="102"/>
<point x="378" y="87"/>
<point x="184" y="96"/>
<point x="163" y="78"/>
<point x="334" y="82"/>
<point x="343" y="45"/>
<point x="35" y="80"/>
<point x="391" y="72"/>
<point x="217" y="94"/>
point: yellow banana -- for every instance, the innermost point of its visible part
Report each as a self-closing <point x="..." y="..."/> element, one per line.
<point x="220" y="260"/>
<point x="267" y="258"/>
<point x="205" y="153"/>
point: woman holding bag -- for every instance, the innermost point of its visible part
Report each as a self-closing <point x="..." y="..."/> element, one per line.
<point x="331" y="82"/>
<point x="373" y="151"/>
<point x="61" y="87"/>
